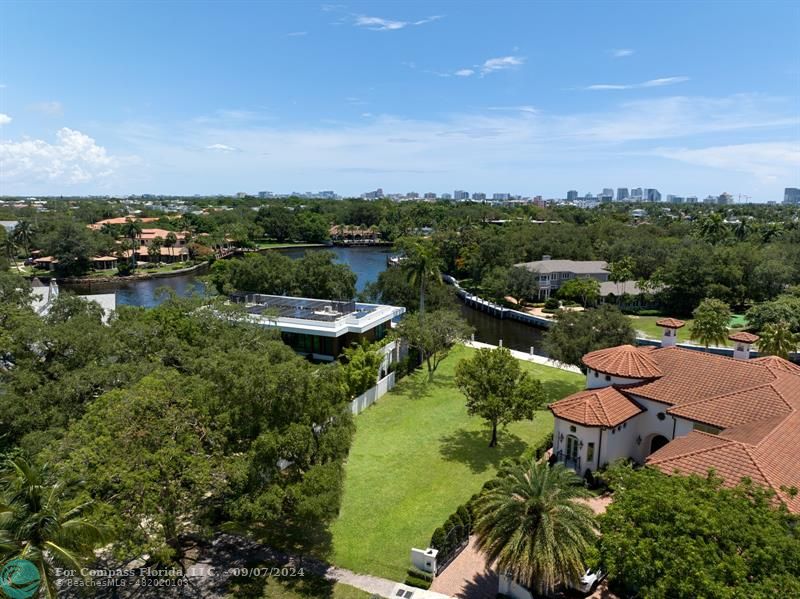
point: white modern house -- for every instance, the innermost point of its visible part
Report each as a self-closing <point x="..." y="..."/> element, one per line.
<point x="320" y="329"/>
<point x="686" y="411"/>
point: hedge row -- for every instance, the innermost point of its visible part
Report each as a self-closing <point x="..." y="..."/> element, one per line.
<point x="442" y="539"/>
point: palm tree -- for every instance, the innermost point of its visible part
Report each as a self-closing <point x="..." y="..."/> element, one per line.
<point x="771" y="231"/>
<point x="743" y="229"/>
<point x="36" y="525"/>
<point x="713" y="228"/>
<point x="777" y="339"/>
<point x="11" y="248"/>
<point x="23" y="235"/>
<point x="533" y="527"/>
<point x="132" y="229"/>
<point x="170" y="241"/>
<point x="422" y="265"/>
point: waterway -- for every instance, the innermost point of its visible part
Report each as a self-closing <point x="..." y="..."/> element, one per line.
<point x="367" y="263"/>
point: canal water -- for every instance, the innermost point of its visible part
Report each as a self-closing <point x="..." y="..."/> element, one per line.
<point x="367" y="263"/>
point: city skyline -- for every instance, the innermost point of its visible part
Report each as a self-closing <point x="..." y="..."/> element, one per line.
<point x="364" y="95"/>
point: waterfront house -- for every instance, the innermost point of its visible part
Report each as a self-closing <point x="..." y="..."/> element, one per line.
<point x="320" y="329"/>
<point x="554" y="273"/>
<point x="686" y="412"/>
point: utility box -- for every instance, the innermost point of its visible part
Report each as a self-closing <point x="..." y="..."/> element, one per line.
<point x="424" y="560"/>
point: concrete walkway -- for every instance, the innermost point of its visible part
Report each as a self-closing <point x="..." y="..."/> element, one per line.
<point x="371" y="584"/>
<point x="519" y="355"/>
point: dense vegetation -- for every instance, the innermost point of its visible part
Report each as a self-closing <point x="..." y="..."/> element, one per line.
<point x="173" y="420"/>
<point x="686" y="537"/>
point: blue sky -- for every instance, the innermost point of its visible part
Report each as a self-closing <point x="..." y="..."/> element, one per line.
<point x="523" y="97"/>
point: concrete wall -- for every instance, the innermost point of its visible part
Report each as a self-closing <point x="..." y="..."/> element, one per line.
<point x="507" y="586"/>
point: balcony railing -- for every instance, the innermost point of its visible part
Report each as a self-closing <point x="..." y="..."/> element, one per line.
<point x="569" y="461"/>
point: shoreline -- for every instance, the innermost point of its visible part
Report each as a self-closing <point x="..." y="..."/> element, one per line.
<point x="114" y="282"/>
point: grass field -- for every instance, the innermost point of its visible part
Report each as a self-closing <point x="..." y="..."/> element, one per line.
<point x="416" y="457"/>
<point x="647" y="325"/>
<point x="307" y="586"/>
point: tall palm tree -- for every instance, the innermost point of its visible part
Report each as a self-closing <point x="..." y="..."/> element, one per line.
<point x="422" y="265"/>
<point x="10" y="248"/>
<point x="743" y="228"/>
<point x="533" y="527"/>
<point x="36" y="525"/>
<point x="23" y="235"/>
<point x="132" y="229"/>
<point x="777" y="339"/>
<point x="170" y="241"/>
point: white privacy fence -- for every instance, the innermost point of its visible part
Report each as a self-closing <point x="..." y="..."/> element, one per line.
<point x="365" y="400"/>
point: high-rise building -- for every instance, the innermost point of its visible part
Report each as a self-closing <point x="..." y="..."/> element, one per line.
<point x="622" y="194"/>
<point x="636" y="193"/>
<point x="479" y="196"/>
<point x="264" y="194"/>
<point x="653" y="195"/>
<point x="447" y="196"/>
<point x="791" y="195"/>
<point x="373" y="195"/>
<point x="412" y="195"/>
<point x="572" y="195"/>
<point x="673" y="199"/>
<point x="430" y="196"/>
<point x="607" y="191"/>
<point x="502" y="197"/>
<point x="460" y="194"/>
<point x="725" y="199"/>
<point x="691" y="199"/>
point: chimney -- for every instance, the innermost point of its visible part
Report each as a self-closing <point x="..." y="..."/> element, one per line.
<point x="545" y="257"/>
<point x="742" y="342"/>
<point x="669" y="331"/>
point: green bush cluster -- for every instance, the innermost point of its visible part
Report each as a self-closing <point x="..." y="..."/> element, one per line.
<point x="552" y="304"/>
<point x="461" y="522"/>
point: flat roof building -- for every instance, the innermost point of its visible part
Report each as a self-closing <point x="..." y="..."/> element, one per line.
<point x="317" y="328"/>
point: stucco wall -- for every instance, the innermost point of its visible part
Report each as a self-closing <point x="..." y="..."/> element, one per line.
<point x="596" y="380"/>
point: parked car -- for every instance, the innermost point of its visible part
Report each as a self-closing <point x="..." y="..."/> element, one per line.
<point x="588" y="582"/>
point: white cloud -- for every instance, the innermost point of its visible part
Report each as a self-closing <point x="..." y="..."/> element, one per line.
<point x="381" y="24"/>
<point x="4" y="119"/>
<point x="488" y="66"/>
<point x="525" y="109"/>
<point x="649" y="83"/>
<point x="297" y="34"/>
<point x="500" y="64"/>
<point x="74" y="158"/>
<point x="51" y="108"/>
<point x="768" y="161"/>
<point x="621" y="52"/>
<point x="220" y="148"/>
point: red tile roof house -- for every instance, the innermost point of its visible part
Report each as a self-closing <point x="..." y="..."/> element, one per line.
<point x="687" y="412"/>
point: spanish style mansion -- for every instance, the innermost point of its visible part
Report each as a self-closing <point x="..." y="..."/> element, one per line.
<point x="687" y="412"/>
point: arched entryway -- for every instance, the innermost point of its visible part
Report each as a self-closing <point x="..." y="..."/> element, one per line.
<point x="657" y="442"/>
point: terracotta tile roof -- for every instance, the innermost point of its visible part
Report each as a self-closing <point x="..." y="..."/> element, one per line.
<point x="744" y="337"/>
<point x="738" y="407"/>
<point x="670" y="323"/>
<point x="625" y="361"/>
<point x="776" y="364"/>
<point x="605" y="407"/>
<point x="690" y="375"/>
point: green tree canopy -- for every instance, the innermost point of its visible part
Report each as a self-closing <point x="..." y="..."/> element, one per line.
<point x="576" y="333"/>
<point x="688" y="537"/>
<point x="433" y="334"/>
<point x="583" y="289"/>
<point x="497" y="389"/>
<point x="711" y="320"/>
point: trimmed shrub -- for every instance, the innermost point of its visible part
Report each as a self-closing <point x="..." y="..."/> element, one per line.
<point x="465" y="517"/>
<point x="438" y="538"/>
<point x="552" y="304"/>
<point x="413" y="581"/>
<point x="417" y="573"/>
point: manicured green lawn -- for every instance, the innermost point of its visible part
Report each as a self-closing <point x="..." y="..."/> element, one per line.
<point x="416" y="457"/>
<point x="307" y="586"/>
<point x="647" y="325"/>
